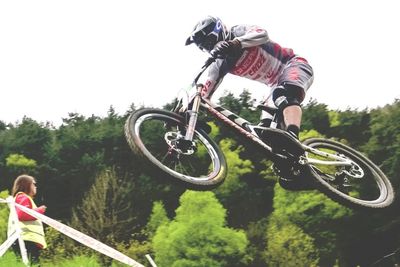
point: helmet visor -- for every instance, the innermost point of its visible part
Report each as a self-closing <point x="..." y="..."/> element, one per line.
<point x="208" y="37"/>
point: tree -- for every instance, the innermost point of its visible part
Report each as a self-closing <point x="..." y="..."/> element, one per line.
<point x="229" y="101"/>
<point x="16" y="165"/>
<point x="158" y="217"/>
<point x="249" y="112"/>
<point x="198" y="235"/>
<point x="384" y="147"/>
<point x="105" y="211"/>
<point x="315" y="116"/>
<point x="352" y="125"/>
<point x="4" y="211"/>
<point x="319" y="217"/>
<point x="3" y="126"/>
<point x="28" y="138"/>
<point x="244" y="192"/>
<point x="246" y="101"/>
<point x="288" y="245"/>
<point x="243" y="106"/>
<point x="237" y="168"/>
<point x="83" y="147"/>
<point x="20" y="163"/>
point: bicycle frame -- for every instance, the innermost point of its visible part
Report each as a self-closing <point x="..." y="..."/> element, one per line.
<point x="248" y="130"/>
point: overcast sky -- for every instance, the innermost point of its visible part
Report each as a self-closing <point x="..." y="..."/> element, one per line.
<point x="83" y="56"/>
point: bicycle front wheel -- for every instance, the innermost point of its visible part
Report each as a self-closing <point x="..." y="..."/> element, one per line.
<point x="361" y="184"/>
<point x="157" y="136"/>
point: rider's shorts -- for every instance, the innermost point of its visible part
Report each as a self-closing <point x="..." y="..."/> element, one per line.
<point x="297" y="72"/>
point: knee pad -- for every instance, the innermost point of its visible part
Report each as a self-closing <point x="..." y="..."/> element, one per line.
<point x="284" y="98"/>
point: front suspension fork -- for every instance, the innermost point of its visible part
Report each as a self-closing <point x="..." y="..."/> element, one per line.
<point x="193" y="114"/>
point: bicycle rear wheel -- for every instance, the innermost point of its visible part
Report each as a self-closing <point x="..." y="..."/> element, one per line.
<point x="362" y="184"/>
<point x="157" y="136"/>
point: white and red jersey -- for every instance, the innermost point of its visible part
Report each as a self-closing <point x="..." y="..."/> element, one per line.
<point x="260" y="60"/>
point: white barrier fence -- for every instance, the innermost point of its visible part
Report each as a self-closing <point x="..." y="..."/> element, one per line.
<point x="66" y="230"/>
<point x="16" y="235"/>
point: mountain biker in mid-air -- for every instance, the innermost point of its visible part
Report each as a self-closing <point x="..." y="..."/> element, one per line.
<point x="182" y="149"/>
<point x="247" y="51"/>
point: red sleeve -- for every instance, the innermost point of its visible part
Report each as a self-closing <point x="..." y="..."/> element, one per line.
<point x="24" y="201"/>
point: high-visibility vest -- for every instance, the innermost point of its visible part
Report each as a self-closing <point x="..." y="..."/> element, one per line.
<point x="31" y="230"/>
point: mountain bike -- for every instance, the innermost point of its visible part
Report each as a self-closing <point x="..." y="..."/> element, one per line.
<point x="179" y="145"/>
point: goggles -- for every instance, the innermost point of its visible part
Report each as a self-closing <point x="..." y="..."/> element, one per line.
<point x="207" y="41"/>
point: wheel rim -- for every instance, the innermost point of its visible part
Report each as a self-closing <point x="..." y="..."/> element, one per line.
<point x="357" y="183"/>
<point x="199" y="166"/>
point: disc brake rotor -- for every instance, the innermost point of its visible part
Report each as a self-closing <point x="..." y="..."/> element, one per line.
<point x="178" y="143"/>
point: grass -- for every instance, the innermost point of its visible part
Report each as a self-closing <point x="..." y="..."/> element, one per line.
<point x="10" y="260"/>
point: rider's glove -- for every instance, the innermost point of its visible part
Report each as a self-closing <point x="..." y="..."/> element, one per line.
<point x="225" y="48"/>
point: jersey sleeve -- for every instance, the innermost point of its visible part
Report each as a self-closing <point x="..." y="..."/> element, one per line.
<point x="216" y="73"/>
<point x="24" y="201"/>
<point x="250" y="35"/>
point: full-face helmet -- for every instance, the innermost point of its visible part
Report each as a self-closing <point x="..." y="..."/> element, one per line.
<point x="207" y="33"/>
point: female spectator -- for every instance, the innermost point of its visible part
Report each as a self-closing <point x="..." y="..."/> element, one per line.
<point x="23" y="191"/>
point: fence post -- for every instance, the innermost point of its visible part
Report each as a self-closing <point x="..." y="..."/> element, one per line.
<point x="15" y="221"/>
<point x="151" y="260"/>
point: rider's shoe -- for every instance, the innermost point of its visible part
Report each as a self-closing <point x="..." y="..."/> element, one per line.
<point x="283" y="141"/>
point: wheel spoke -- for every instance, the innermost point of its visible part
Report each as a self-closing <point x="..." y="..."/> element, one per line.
<point x="159" y="137"/>
<point x="361" y="183"/>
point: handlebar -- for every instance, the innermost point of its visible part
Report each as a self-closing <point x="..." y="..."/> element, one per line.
<point x="205" y="66"/>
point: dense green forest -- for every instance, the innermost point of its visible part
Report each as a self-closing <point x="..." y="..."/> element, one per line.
<point x="89" y="179"/>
